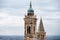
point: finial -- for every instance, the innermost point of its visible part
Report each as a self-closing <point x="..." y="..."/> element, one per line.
<point x="30" y="5"/>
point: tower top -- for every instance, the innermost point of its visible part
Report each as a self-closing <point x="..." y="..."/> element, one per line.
<point x="30" y="10"/>
<point x="41" y="27"/>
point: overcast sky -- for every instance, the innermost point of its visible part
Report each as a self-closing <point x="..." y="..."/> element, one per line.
<point x="12" y="15"/>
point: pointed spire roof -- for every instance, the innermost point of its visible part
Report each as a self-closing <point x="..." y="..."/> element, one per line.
<point x="41" y="27"/>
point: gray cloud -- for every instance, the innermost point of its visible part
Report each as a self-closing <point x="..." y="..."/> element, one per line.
<point x="48" y="9"/>
<point x="11" y="30"/>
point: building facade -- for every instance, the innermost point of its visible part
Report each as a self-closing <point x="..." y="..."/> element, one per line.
<point x="30" y="22"/>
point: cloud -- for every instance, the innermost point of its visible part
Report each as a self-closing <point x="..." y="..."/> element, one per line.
<point x="11" y="30"/>
<point x="7" y="19"/>
<point x="13" y="4"/>
<point x="11" y="24"/>
<point x="12" y="13"/>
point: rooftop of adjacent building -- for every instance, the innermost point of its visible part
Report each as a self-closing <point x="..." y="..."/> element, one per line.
<point x="41" y="27"/>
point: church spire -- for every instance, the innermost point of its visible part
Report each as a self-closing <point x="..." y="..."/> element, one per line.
<point x="41" y="27"/>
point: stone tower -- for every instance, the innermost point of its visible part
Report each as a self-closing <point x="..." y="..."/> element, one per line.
<point x="30" y="24"/>
<point x="41" y="34"/>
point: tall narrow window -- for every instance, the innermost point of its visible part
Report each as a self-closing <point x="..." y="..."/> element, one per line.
<point x="28" y="29"/>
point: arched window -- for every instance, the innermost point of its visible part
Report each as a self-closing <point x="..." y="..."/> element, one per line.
<point x="28" y="29"/>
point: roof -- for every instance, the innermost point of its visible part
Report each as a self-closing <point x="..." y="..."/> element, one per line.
<point x="30" y="10"/>
<point x="41" y="27"/>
